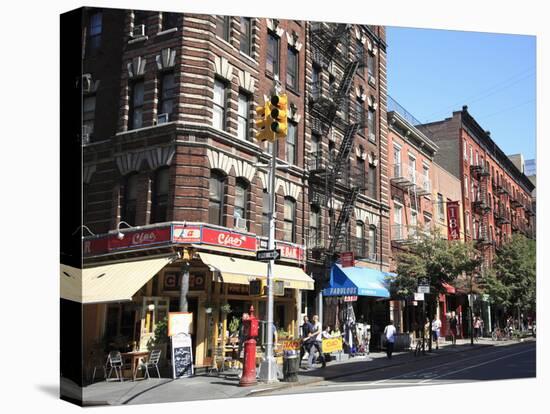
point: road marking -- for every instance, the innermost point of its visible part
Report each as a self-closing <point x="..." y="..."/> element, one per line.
<point x="476" y="365"/>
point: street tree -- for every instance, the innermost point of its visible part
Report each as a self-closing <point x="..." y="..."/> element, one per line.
<point x="511" y="283"/>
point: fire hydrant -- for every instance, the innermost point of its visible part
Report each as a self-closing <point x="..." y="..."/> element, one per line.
<point x="250" y="330"/>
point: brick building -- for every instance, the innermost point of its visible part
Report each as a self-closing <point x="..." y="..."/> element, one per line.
<point x="178" y="170"/>
<point x="496" y="195"/>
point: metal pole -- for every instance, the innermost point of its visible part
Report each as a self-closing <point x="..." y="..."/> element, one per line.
<point x="268" y="368"/>
<point x="184" y="288"/>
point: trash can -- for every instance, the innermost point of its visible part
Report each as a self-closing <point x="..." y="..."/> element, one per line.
<point x="291" y="364"/>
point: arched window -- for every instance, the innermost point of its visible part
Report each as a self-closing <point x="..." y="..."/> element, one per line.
<point x="159" y="207"/>
<point x="289" y="220"/>
<point x="241" y="200"/>
<point x="129" y="202"/>
<point x="371" y="243"/>
<point x="216" y="196"/>
<point x="314" y="225"/>
<point x="360" y="239"/>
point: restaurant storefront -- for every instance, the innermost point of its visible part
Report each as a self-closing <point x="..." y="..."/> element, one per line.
<point x="132" y="279"/>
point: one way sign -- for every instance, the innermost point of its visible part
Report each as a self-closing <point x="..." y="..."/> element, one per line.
<point x="267" y="255"/>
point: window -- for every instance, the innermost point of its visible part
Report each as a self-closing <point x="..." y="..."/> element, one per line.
<point x="412" y="168"/>
<point x="467" y="223"/>
<point x="241" y="201"/>
<point x="128" y="213"/>
<point x="223" y="27"/>
<point x="471" y="155"/>
<point x="361" y="172"/>
<point x="440" y="207"/>
<point x="371" y="243"/>
<point x="360" y="239"/>
<point x="167" y="93"/>
<point x="360" y="115"/>
<point x="242" y="117"/>
<point x="466" y="188"/>
<point x="159" y="208"/>
<point x="372" y="187"/>
<point x="291" y="143"/>
<point x="292" y="69"/>
<point x="289" y="233"/>
<point x="414" y="223"/>
<point x="169" y="20"/>
<point x="140" y="18"/>
<point x="316" y="84"/>
<point x="88" y="115"/>
<point x="427" y="223"/>
<point x="359" y="51"/>
<point x="372" y="125"/>
<point x="396" y="161"/>
<point x="272" y="61"/>
<point x="370" y="64"/>
<point x="94" y="32"/>
<point x="465" y="147"/>
<point x="136" y="105"/>
<point x="246" y="35"/>
<point x="397" y="221"/>
<point x="477" y="158"/>
<point x="265" y="212"/>
<point x="314" y="225"/>
<point x="215" y="205"/>
<point x="426" y="184"/>
<point x="344" y="108"/>
<point x="218" y="118"/>
<point x="345" y="45"/>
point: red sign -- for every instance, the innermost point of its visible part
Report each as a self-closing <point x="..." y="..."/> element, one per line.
<point x="183" y="234"/>
<point x="347" y="259"/>
<point x="290" y="251"/>
<point x="350" y="298"/>
<point x="453" y="220"/>
<point x="140" y="238"/>
<point x="228" y="239"/>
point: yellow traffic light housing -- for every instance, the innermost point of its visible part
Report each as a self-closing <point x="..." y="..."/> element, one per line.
<point x="279" y="115"/>
<point x="263" y="123"/>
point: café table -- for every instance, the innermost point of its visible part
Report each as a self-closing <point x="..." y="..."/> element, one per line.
<point x="134" y="357"/>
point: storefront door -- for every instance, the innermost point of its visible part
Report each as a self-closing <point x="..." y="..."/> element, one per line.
<point x="153" y="310"/>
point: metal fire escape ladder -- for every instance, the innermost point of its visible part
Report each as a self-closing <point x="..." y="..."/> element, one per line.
<point x="345" y="149"/>
<point x="326" y="41"/>
<point x="343" y="220"/>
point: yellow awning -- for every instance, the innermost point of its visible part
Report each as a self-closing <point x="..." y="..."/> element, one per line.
<point x="241" y="271"/>
<point x="109" y="283"/>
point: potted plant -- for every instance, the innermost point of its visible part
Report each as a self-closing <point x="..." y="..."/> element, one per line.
<point x="160" y="340"/>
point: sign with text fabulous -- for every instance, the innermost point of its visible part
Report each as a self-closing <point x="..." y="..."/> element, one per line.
<point x="184" y="234"/>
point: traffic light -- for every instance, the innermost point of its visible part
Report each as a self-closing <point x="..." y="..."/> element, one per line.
<point x="263" y="123"/>
<point x="279" y="115"/>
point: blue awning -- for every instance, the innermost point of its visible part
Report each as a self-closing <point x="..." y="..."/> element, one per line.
<point x="356" y="281"/>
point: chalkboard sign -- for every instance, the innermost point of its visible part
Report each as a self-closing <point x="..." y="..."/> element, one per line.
<point x="182" y="356"/>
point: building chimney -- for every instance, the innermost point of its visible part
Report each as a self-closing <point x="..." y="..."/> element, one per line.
<point x="464" y="108"/>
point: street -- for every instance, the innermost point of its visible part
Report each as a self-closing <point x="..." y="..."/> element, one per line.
<point x="494" y="363"/>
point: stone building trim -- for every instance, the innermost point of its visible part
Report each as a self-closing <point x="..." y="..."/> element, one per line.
<point x="292" y="39"/>
<point x="293" y="114"/>
<point x="223" y="68"/>
<point x="166" y="59"/>
<point x="128" y="162"/>
<point x="366" y="217"/>
<point x="246" y="81"/>
<point x="289" y="189"/>
<point x="219" y="161"/>
<point x="273" y="25"/>
<point x="89" y="85"/>
<point x="360" y="93"/>
<point x="87" y="173"/>
<point x="136" y="67"/>
<point x="160" y="156"/>
<point x="244" y="169"/>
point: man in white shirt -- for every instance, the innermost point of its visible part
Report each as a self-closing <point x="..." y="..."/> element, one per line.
<point x="389" y="333"/>
<point x="436" y="331"/>
<point x="316" y="336"/>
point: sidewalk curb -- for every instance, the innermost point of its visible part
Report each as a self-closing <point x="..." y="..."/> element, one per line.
<point x="330" y="377"/>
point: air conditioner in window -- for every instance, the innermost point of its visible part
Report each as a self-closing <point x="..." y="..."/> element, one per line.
<point x="372" y="137"/>
<point x="162" y="118"/>
<point x="240" y="223"/>
<point x="139" y="30"/>
<point x="278" y="288"/>
<point x="372" y="80"/>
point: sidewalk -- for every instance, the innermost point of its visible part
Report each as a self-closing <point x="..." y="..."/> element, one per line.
<point x="202" y="387"/>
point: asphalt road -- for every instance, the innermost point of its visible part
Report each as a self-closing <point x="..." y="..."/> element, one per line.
<point x="507" y="362"/>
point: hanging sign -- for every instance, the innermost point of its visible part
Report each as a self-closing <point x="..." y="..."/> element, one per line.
<point x="453" y="220"/>
<point x="347" y="259"/>
<point x="180" y="322"/>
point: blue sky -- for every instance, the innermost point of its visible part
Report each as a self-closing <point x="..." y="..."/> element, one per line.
<point x="432" y="73"/>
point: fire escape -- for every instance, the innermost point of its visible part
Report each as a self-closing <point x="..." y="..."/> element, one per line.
<point x="481" y="205"/>
<point x="331" y="173"/>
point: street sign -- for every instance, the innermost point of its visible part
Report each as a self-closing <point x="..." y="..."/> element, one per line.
<point x="418" y="296"/>
<point x="423" y="281"/>
<point x="267" y="255"/>
<point x="423" y="289"/>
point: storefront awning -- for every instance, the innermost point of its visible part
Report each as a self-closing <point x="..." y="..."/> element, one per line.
<point x="109" y="283"/>
<point x="241" y="271"/>
<point x="356" y="281"/>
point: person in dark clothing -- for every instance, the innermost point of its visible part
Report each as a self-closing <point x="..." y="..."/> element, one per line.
<point x="305" y="330"/>
<point x="453" y="323"/>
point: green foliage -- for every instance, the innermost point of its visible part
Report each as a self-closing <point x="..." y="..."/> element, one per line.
<point x="281" y="333"/>
<point x="161" y="334"/>
<point x="512" y="281"/>
<point x="225" y="308"/>
<point x="439" y="260"/>
<point x="234" y="325"/>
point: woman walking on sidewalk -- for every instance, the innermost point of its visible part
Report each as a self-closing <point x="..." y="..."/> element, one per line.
<point x="389" y="333"/>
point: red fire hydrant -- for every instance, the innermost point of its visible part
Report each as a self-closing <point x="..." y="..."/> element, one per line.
<point x="250" y="329"/>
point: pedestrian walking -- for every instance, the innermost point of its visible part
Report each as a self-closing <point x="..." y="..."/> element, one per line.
<point x="389" y="334"/>
<point x="453" y="323"/>
<point x="305" y="332"/>
<point x="436" y="331"/>
<point x="316" y="336"/>
<point x="477" y="327"/>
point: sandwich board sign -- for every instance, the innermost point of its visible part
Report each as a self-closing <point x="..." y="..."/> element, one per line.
<point x="182" y="356"/>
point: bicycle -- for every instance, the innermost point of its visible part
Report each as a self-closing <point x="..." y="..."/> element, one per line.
<point x="502" y="334"/>
<point x="420" y="346"/>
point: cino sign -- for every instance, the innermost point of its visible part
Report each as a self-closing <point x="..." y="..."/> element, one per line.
<point x="453" y="220"/>
<point x="228" y="239"/>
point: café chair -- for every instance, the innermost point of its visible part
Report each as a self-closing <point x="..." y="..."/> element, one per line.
<point x="114" y="361"/>
<point x="152" y="362"/>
